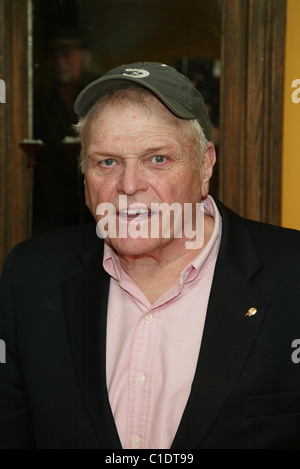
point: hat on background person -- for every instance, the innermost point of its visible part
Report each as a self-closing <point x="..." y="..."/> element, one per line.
<point x="65" y="36"/>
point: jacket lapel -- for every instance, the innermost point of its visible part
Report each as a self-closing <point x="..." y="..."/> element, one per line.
<point x="228" y="334"/>
<point x="85" y="303"/>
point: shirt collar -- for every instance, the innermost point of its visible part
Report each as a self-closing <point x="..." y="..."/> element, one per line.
<point x="209" y="253"/>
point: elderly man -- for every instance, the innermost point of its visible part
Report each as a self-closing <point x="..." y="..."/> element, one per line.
<point x="179" y="329"/>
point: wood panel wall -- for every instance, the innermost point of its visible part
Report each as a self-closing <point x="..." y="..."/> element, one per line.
<point x="253" y="41"/>
<point x="13" y="125"/>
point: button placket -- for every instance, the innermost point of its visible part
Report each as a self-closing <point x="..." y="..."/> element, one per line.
<point x="141" y="383"/>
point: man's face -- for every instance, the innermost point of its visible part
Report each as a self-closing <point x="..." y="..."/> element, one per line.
<point x="68" y="63"/>
<point x="141" y="153"/>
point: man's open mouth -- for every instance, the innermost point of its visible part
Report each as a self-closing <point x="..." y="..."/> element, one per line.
<point x="130" y="214"/>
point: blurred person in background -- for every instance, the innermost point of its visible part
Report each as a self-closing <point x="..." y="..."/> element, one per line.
<point x="58" y="186"/>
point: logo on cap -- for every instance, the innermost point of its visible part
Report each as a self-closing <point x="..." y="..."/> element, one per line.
<point x="136" y="72"/>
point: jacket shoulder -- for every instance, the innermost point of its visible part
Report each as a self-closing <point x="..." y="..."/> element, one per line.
<point x="275" y="246"/>
<point x="58" y="252"/>
<point x="260" y="232"/>
<point x="271" y="237"/>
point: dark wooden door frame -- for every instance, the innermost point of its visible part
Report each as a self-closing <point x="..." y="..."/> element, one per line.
<point x="252" y="85"/>
<point x="253" y="37"/>
<point x="14" y="124"/>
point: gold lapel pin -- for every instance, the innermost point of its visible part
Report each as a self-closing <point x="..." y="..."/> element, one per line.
<point x="251" y="312"/>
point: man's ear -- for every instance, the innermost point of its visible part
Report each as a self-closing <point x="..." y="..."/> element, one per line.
<point x="209" y="160"/>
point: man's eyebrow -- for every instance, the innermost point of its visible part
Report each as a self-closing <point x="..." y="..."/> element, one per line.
<point x="158" y="148"/>
<point x="106" y="154"/>
<point x="147" y="150"/>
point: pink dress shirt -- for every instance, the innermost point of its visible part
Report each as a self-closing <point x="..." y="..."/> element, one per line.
<point x="152" y="349"/>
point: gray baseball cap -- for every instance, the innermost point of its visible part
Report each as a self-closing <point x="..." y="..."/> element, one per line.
<point x="175" y="90"/>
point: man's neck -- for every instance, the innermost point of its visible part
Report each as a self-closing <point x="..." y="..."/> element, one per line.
<point x="156" y="273"/>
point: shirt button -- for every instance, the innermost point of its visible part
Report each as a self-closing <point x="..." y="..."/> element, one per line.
<point x="141" y="378"/>
<point x="148" y="317"/>
<point x="136" y="441"/>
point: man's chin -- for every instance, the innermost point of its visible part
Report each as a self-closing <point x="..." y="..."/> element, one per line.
<point x="134" y="247"/>
<point x="65" y="78"/>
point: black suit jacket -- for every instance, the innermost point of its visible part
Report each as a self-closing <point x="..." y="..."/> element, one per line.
<point x="246" y="390"/>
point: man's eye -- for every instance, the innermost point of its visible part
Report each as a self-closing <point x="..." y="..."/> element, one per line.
<point x="107" y="162"/>
<point x="158" y="159"/>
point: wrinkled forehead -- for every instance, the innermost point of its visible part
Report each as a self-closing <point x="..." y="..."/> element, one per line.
<point x="129" y="100"/>
<point x="133" y="96"/>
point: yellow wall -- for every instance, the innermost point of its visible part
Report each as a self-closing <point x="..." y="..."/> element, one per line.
<point x="291" y="128"/>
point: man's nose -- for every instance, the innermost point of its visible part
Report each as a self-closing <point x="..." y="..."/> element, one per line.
<point x="61" y="58"/>
<point x="132" y="179"/>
